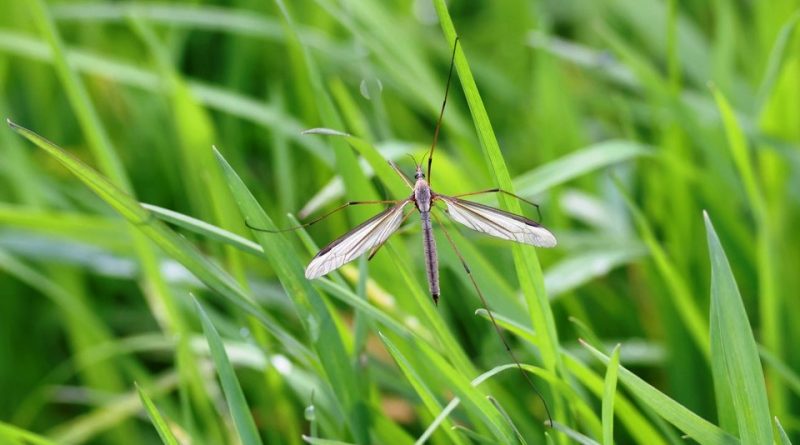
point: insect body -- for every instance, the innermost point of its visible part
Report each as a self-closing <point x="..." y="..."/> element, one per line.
<point x="371" y="234"/>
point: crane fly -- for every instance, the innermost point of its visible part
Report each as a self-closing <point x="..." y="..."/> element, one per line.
<point x="370" y="235"/>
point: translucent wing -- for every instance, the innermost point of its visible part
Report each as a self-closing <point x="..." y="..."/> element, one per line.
<point x="499" y="223"/>
<point x="369" y="234"/>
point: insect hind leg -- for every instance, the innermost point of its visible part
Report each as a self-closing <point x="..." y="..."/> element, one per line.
<point x="491" y="317"/>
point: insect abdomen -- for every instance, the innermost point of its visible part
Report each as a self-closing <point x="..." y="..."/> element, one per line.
<point x="431" y="261"/>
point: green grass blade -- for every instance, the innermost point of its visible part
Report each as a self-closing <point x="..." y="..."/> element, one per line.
<point x="738" y="358"/>
<point x="579" y="438"/>
<point x="771" y="304"/>
<point x="578" y="163"/>
<point x="318" y="441"/>
<point x="775" y="62"/>
<point x="159" y="423"/>
<point x="609" y="393"/>
<point x="690" y="423"/>
<point x="15" y="435"/>
<point x="208" y="230"/>
<point x="237" y="404"/>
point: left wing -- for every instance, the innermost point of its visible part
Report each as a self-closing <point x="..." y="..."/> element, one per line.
<point x="368" y="235"/>
<point x="498" y="223"/>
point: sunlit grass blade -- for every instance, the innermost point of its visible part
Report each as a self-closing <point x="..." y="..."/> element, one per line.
<point x="319" y="441"/>
<point x="784" y="437"/>
<point x="775" y="62"/>
<point x="476" y="438"/>
<point x="583" y="267"/>
<point x="157" y="419"/>
<point x="609" y="393"/>
<point x="579" y="438"/>
<point x="508" y="419"/>
<point x="738" y="362"/>
<point x="237" y="404"/>
<point x="699" y="429"/>
<point x="205" y="229"/>
<point x="15" y="435"/>
<point x="578" y="163"/>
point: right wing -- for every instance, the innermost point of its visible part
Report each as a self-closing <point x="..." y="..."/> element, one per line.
<point x="369" y="234"/>
<point x="498" y="223"/>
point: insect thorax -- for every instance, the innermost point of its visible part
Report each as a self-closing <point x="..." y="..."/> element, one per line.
<point x="422" y="195"/>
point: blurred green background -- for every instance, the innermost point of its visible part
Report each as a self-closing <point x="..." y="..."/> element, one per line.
<point x="623" y="119"/>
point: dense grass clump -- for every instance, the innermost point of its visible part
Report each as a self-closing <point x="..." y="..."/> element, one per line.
<point x="661" y="140"/>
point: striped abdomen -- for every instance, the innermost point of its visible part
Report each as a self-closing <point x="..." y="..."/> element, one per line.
<point x="431" y="261"/>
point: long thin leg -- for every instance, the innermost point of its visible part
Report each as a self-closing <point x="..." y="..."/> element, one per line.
<point x="320" y="218"/>
<point x="400" y="172"/>
<point x="491" y="316"/>
<point x="441" y="112"/>
<point x="499" y="190"/>
<point x="376" y="248"/>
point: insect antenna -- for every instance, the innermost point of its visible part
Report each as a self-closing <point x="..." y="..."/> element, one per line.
<point x="494" y="322"/>
<point x="441" y="112"/>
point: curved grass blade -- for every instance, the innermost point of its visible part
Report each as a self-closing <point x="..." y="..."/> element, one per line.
<point x="775" y="61"/>
<point x="784" y="437"/>
<point x="159" y="423"/>
<point x="699" y="429"/>
<point x="318" y="441"/>
<point x="578" y="163"/>
<point x="234" y="396"/>
<point x="609" y="393"/>
<point x="737" y="361"/>
<point x="507" y="418"/>
<point x="574" y="435"/>
<point x="15" y="435"/>
<point x="203" y="228"/>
